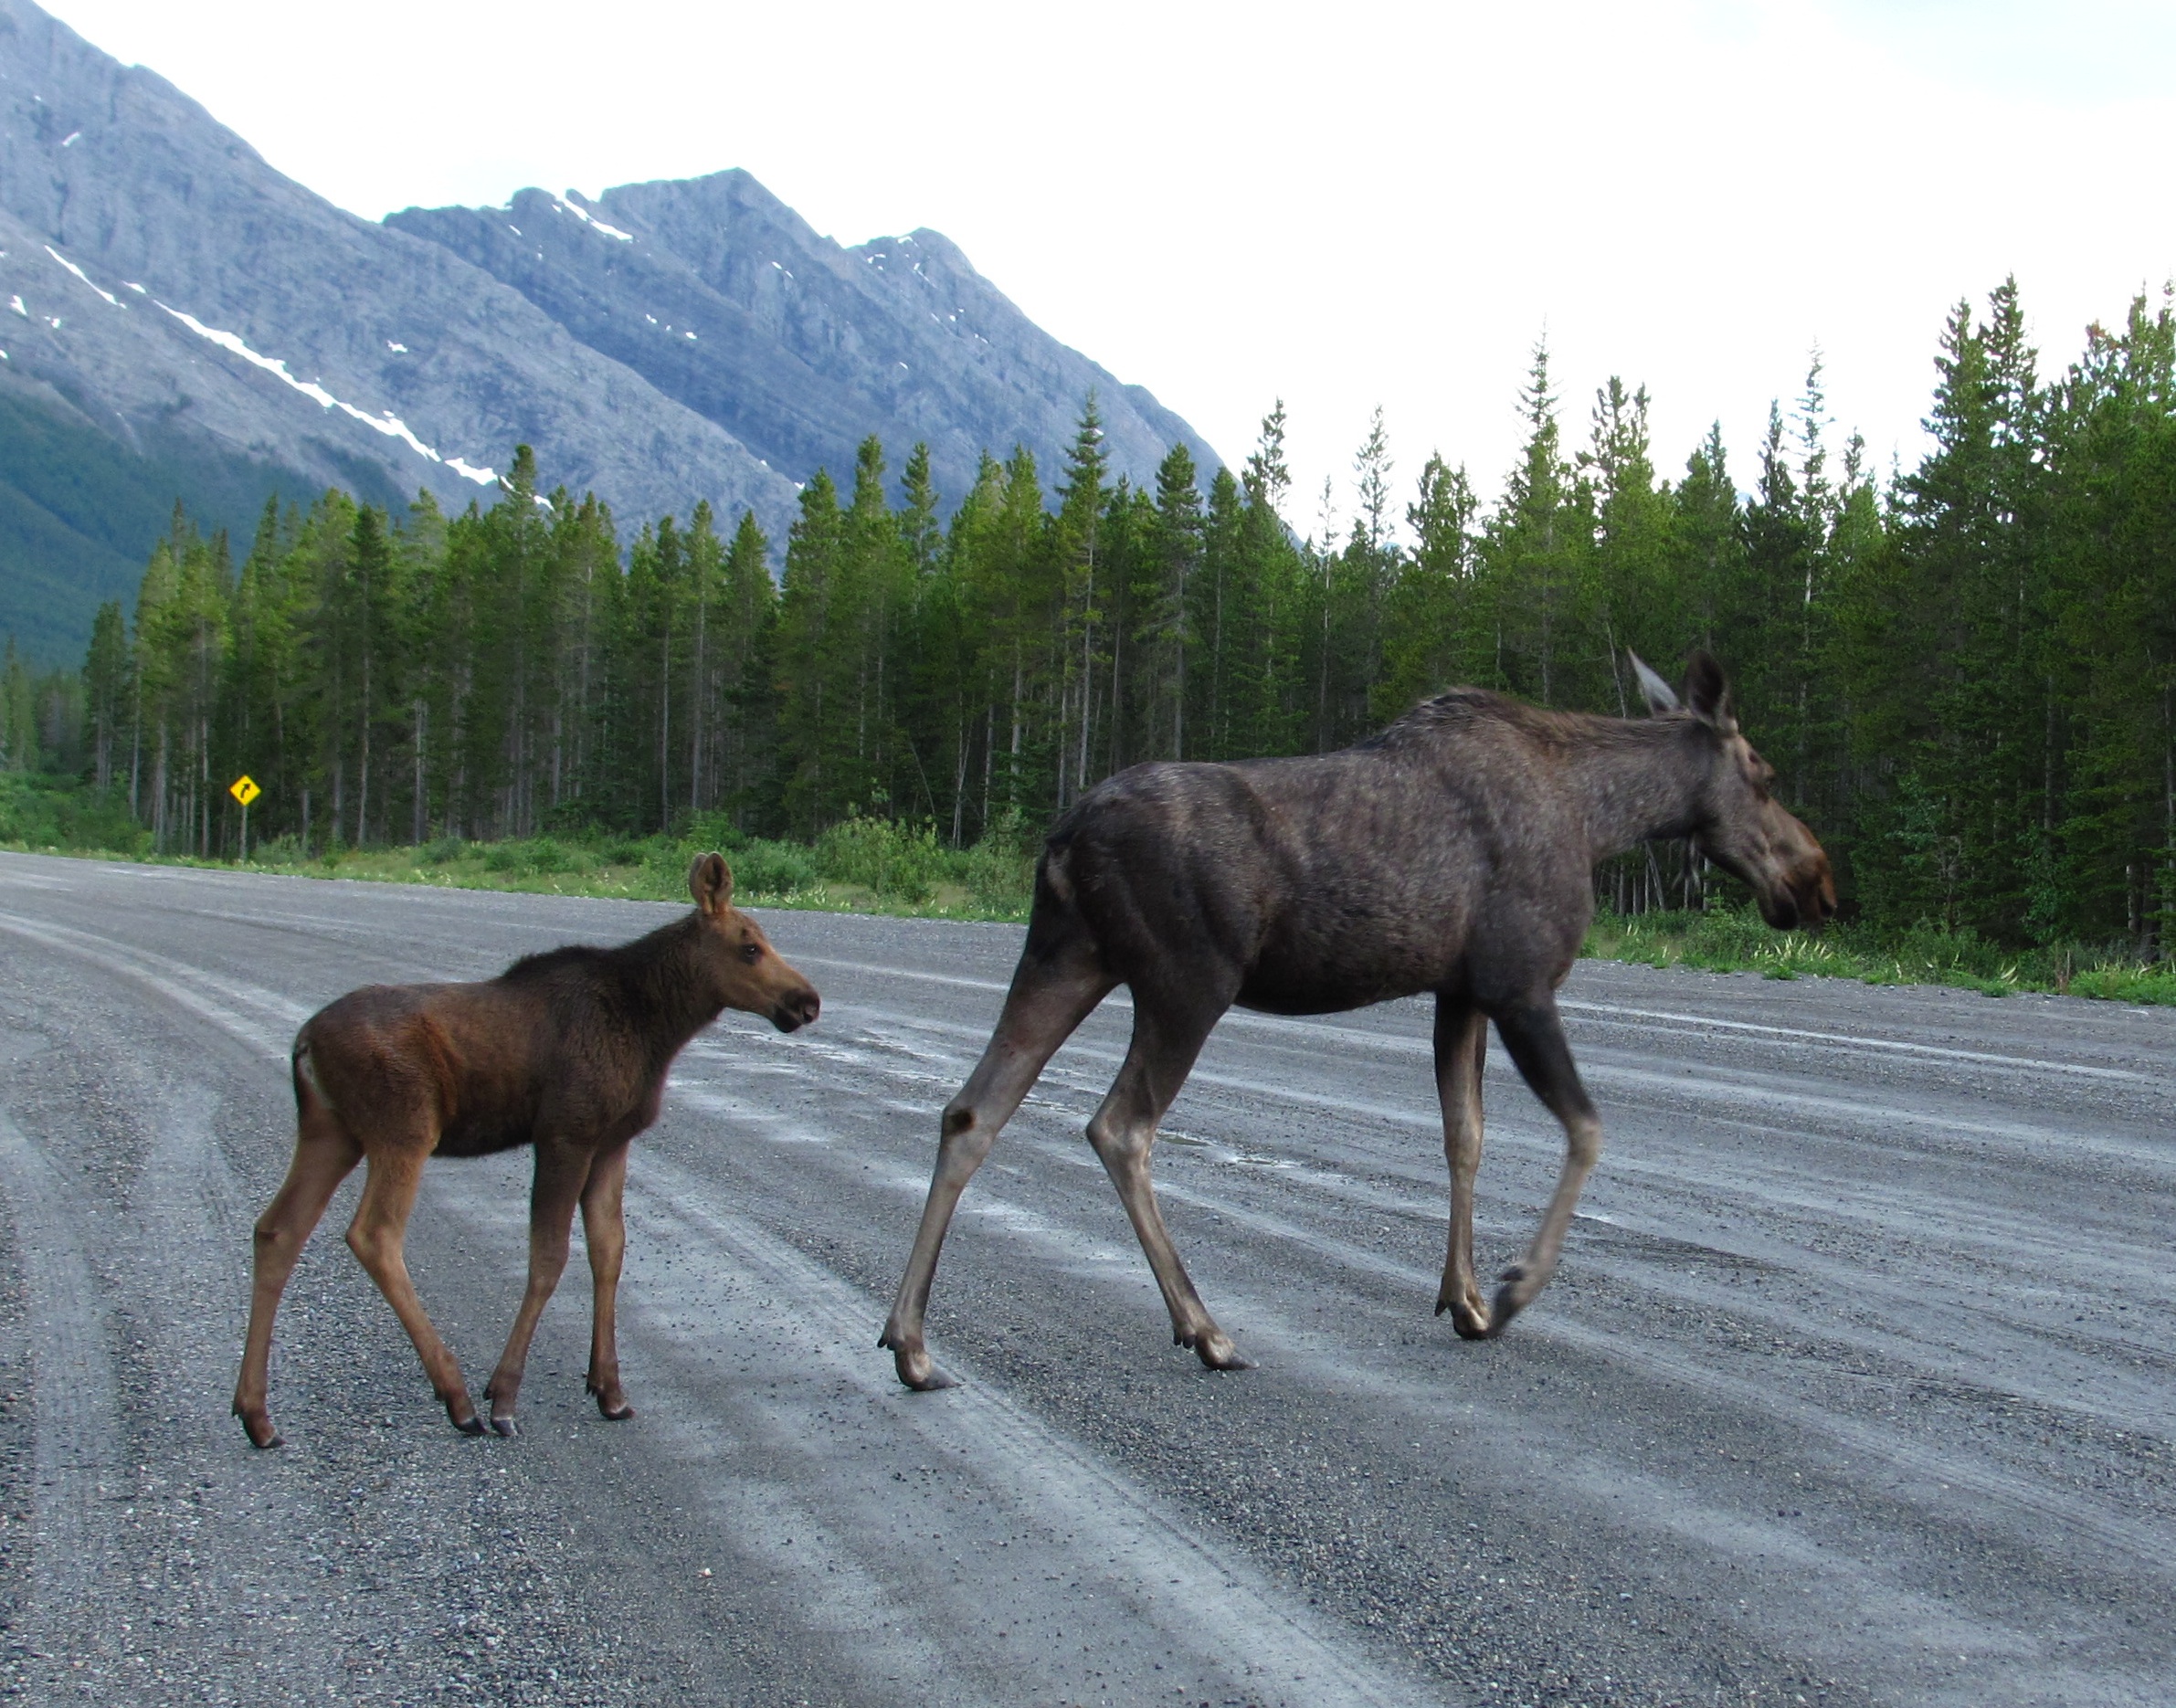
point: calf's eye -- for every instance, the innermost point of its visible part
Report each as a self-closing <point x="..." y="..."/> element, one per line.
<point x="751" y="952"/>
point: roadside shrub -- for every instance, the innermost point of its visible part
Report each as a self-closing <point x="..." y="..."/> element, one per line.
<point x="442" y="852"/>
<point x="548" y="855"/>
<point x="883" y="856"/>
<point x="998" y="872"/>
<point x="534" y="856"/>
<point x="41" y="812"/>
<point x="706" y="831"/>
<point x="765" y="868"/>
<point x="284" y="850"/>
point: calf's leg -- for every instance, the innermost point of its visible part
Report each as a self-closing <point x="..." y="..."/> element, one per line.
<point x="562" y="1170"/>
<point x="325" y="1154"/>
<point x="378" y="1237"/>
<point x="1461" y="1054"/>
<point x="1052" y="993"/>
<point x="1534" y="1035"/>
<point x="603" y="1225"/>
<point x="1123" y="1133"/>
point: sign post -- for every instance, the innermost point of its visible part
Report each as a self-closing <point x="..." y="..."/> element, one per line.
<point x="245" y="790"/>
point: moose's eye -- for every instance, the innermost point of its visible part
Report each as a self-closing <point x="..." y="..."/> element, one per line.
<point x="751" y="952"/>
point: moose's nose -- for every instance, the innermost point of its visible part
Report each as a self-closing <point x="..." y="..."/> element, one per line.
<point x="797" y="1010"/>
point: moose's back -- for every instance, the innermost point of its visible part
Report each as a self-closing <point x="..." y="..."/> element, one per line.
<point x="1331" y="881"/>
<point x="548" y="1039"/>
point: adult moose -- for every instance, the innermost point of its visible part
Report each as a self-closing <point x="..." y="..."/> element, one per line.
<point x="566" y="1051"/>
<point x="1452" y="853"/>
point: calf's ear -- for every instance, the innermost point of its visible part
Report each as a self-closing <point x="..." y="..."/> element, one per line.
<point x="710" y="881"/>
<point x="1706" y="694"/>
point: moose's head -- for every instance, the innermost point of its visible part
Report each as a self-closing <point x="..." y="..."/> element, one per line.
<point x="751" y="975"/>
<point x="1739" y="824"/>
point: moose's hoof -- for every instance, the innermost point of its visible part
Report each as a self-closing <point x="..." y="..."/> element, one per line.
<point x="463" y="1416"/>
<point x="1217" y="1352"/>
<point x="504" y="1426"/>
<point x="916" y="1370"/>
<point x="612" y="1404"/>
<point x="260" y="1430"/>
<point x="1469" y="1317"/>
<point x="1513" y="1294"/>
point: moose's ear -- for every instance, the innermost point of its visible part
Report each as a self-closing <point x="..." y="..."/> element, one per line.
<point x="1706" y="694"/>
<point x="1659" y="695"/>
<point x="710" y="881"/>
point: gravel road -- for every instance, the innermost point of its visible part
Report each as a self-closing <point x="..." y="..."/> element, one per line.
<point x="1854" y="1386"/>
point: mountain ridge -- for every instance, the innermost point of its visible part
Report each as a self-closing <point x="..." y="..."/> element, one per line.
<point x="165" y="289"/>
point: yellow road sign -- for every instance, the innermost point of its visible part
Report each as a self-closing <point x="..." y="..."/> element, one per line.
<point x="244" y="789"/>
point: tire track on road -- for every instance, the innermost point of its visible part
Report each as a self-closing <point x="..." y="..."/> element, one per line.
<point x="77" y="1444"/>
<point x="704" y="1278"/>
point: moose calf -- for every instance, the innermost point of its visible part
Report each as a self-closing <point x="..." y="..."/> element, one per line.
<point x="566" y="1051"/>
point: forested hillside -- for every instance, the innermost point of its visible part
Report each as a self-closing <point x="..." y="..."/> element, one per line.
<point x="1966" y="673"/>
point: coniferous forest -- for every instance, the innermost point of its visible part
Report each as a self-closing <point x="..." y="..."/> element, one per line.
<point x="1965" y="671"/>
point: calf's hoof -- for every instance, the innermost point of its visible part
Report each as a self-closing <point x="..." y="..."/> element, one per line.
<point x="504" y="1426"/>
<point x="259" y="1428"/>
<point x="1515" y="1291"/>
<point x="910" y="1359"/>
<point x="1469" y="1317"/>
<point x="612" y="1404"/>
<point x="462" y="1415"/>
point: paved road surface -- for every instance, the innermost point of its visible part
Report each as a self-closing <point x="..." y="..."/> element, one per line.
<point x="1855" y="1385"/>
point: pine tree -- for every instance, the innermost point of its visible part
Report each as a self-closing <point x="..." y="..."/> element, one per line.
<point x="105" y="688"/>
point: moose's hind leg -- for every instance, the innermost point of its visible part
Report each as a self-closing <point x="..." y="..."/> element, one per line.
<point x="1461" y="1055"/>
<point x="378" y="1238"/>
<point x="1123" y="1133"/>
<point x="1053" y="992"/>
<point x="325" y="1155"/>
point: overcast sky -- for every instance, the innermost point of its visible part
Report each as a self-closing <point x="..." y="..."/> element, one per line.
<point x="1343" y="205"/>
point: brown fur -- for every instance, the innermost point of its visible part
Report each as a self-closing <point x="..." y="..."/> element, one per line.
<point x="1452" y="853"/>
<point x="566" y="1051"/>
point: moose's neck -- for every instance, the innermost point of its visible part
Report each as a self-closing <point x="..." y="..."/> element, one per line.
<point x="1636" y="780"/>
<point x="674" y="984"/>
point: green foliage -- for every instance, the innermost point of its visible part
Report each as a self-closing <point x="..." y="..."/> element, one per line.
<point x="1735" y="939"/>
<point x="764" y="868"/>
<point x="39" y="813"/>
<point x="79" y="510"/>
<point x="1967" y="681"/>
<point x="882" y="856"/>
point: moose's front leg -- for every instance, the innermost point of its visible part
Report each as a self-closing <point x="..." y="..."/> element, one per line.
<point x="1461" y="1055"/>
<point x="605" y="1226"/>
<point x="561" y="1171"/>
<point x="1534" y="1035"/>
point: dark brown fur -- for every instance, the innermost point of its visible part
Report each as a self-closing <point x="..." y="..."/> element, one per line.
<point x="568" y="1051"/>
<point x="1452" y="853"/>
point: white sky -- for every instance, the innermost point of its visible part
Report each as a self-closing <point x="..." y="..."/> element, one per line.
<point x="1343" y="204"/>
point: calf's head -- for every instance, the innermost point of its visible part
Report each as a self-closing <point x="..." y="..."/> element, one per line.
<point x="750" y="975"/>
<point x="1739" y="824"/>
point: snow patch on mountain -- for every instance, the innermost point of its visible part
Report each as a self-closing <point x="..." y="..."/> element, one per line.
<point x="80" y="273"/>
<point x="384" y="422"/>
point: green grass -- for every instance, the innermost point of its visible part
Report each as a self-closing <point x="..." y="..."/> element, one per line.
<point x="1732" y="939"/>
<point x="869" y="865"/>
<point x="861" y="865"/>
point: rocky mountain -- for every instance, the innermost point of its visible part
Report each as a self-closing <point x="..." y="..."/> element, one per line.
<point x="723" y="298"/>
<point x="179" y="320"/>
